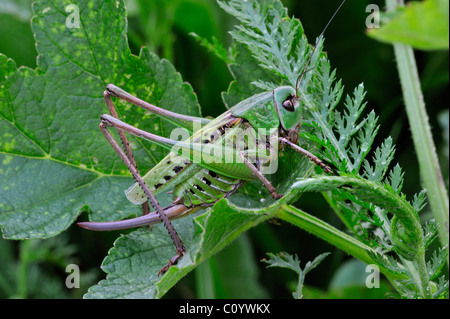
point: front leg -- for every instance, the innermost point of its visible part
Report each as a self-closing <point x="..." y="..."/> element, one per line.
<point x="311" y="156"/>
<point x="261" y="177"/>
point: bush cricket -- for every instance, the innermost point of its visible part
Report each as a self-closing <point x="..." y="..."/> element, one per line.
<point x="214" y="162"/>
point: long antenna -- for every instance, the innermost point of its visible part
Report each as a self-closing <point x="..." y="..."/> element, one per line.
<point x="300" y="77"/>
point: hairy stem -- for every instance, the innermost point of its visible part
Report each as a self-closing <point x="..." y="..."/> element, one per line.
<point x="331" y="235"/>
<point x="405" y="229"/>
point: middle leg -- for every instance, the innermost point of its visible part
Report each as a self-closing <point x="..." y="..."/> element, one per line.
<point x="260" y="176"/>
<point x="311" y="156"/>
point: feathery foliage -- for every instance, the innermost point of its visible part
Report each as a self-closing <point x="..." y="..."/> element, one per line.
<point x="285" y="260"/>
<point x="367" y="195"/>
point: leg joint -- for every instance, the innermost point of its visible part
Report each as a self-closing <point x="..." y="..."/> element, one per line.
<point x="105" y="120"/>
<point x="110" y="88"/>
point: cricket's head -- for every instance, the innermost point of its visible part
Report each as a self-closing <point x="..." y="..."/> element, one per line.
<point x="288" y="107"/>
<point x="275" y="109"/>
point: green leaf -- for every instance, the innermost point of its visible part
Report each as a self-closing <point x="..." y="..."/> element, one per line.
<point x="245" y="71"/>
<point x="382" y="158"/>
<point x="441" y="288"/>
<point x="55" y="161"/>
<point x="437" y="262"/>
<point x="396" y="179"/>
<point x="430" y="232"/>
<point x="214" y="47"/>
<point x="423" y="25"/>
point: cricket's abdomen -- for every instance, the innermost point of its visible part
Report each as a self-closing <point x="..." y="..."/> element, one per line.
<point x="205" y="187"/>
<point x="192" y="183"/>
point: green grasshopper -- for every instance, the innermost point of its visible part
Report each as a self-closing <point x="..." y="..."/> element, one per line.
<point x="212" y="164"/>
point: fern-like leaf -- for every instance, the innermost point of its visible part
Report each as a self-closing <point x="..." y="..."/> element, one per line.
<point x="368" y="201"/>
<point x="437" y="262"/>
<point x="441" y="288"/>
<point x="430" y="230"/>
<point x="395" y="181"/>
<point x="272" y="38"/>
<point x="288" y="261"/>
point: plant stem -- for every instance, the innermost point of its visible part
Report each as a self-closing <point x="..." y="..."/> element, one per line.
<point x="430" y="171"/>
<point x="330" y="234"/>
<point x="409" y="247"/>
<point x="22" y="270"/>
<point x="204" y="279"/>
<point x="418" y="274"/>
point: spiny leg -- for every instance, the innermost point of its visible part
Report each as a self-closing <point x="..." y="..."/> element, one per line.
<point x="258" y="174"/>
<point x="126" y="145"/>
<point x="311" y="156"/>
<point x="180" y="251"/>
<point x="182" y="120"/>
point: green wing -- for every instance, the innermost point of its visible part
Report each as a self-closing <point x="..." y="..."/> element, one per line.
<point x="211" y="177"/>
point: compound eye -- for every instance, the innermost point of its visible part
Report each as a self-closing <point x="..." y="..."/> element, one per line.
<point x="288" y="105"/>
